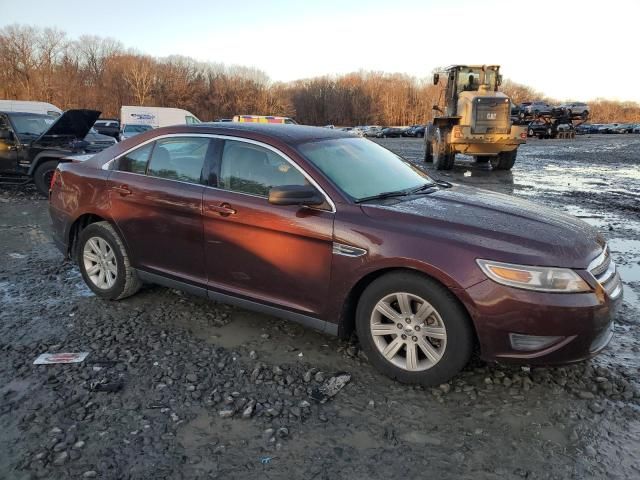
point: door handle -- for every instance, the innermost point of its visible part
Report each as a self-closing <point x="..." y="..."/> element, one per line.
<point x="122" y="190"/>
<point x="223" y="209"/>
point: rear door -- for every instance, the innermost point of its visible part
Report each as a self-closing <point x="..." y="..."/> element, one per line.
<point x="270" y="253"/>
<point x="156" y="196"/>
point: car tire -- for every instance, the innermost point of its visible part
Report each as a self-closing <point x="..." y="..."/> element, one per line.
<point x="504" y="160"/>
<point x="104" y="262"/>
<point x="418" y="358"/>
<point x="531" y="132"/>
<point x="419" y="135"/>
<point x="43" y="174"/>
<point x="584" y="115"/>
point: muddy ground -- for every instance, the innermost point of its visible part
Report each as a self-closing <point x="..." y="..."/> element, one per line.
<point x="208" y="391"/>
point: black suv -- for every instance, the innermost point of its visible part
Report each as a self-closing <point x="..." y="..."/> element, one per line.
<point x="108" y="126"/>
<point x="31" y="144"/>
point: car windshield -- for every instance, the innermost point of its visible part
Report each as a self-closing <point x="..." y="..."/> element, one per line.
<point x="137" y="128"/>
<point x="362" y="168"/>
<point x="32" y="125"/>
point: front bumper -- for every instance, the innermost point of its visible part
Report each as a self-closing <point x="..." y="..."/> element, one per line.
<point x="583" y="322"/>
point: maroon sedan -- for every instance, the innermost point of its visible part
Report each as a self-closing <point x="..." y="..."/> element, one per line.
<point x="338" y="233"/>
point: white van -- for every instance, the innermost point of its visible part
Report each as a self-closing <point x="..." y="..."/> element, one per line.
<point x="135" y="120"/>
<point x="43" y="108"/>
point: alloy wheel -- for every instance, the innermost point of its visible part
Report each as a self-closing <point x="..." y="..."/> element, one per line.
<point x="408" y="331"/>
<point x="100" y="263"/>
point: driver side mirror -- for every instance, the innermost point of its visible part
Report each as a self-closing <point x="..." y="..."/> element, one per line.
<point x="436" y="78"/>
<point x="6" y="135"/>
<point x="295" y="195"/>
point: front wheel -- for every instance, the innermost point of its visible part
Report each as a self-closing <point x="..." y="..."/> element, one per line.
<point x="104" y="263"/>
<point x="443" y="156"/>
<point x="43" y="175"/>
<point x="413" y="329"/>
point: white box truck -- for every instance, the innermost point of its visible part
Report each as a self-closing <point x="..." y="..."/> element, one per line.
<point x="135" y="120"/>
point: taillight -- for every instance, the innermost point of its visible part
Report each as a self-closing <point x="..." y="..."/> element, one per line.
<point x="523" y="135"/>
<point x="54" y="177"/>
<point x="457" y="133"/>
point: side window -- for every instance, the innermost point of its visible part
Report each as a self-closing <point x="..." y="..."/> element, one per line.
<point x="190" y="120"/>
<point x="135" y="161"/>
<point x="180" y="158"/>
<point x="253" y="169"/>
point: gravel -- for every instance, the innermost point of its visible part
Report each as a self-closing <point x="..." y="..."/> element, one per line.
<point x="208" y="391"/>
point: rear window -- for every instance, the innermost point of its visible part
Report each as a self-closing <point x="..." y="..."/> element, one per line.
<point x="179" y="159"/>
<point x="135" y="161"/>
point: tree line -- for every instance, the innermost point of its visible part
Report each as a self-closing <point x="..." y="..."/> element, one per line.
<point x="44" y="64"/>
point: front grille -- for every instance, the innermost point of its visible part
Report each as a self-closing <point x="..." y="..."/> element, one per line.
<point x="491" y="115"/>
<point x="606" y="274"/>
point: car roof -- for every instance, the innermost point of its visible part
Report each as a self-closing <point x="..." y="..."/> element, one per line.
<point x="31" y="114"/>
<point x="292" y="134"/>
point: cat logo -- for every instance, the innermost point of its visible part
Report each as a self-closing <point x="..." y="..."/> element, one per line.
<point x="491" y="116"/>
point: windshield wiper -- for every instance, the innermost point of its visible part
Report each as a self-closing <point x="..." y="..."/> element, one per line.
<point x="397" y="193"/>
<point x="383" y="195"/>
<point x="426" y="188"/>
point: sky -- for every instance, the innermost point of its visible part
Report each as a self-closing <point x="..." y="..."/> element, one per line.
<point x="569" y="50"/>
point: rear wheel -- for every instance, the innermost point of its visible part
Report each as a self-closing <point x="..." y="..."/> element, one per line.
<point x="504" y="160"/>
<point x="104" y="262"/>
<point x="413" y="329"/>
<point x="43" y="175"/>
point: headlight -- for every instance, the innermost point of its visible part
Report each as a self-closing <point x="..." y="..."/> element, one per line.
<point x="542" y="279"/>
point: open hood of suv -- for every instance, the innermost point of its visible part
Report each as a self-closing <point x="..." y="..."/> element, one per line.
<point x="76" y="123"/>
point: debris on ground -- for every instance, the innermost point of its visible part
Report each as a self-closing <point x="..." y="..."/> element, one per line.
<point x="331" y="387"/>
<point x="56" y="358"/>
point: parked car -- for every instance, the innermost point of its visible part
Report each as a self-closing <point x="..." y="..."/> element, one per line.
<point x="537" y="108"/>
<point x="352" y="131"/>
<point x="585" y="128"/>
<point x="390" y="132"/>
<point x="31" y="144"/>
<point x="97" y="141"/>
<point x="613" y="128"/>
<point x="339" y="233"/>
<point x="372" y="131"/>
<point x="414" y="131"/>
<point x="266" y="119"/>
<point x="108" y="126"/>
<point x="539" y="129"/>
<point x="132" y="130"/>
<point x="576" y="109"/>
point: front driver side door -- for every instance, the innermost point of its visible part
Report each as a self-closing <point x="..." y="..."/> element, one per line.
<point x="279" y="255"/>
<point x="8" y="147"/>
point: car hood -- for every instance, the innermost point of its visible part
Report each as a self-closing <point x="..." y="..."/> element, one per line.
<point x="496" y="226"/>
<point x="72" y="123"/>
